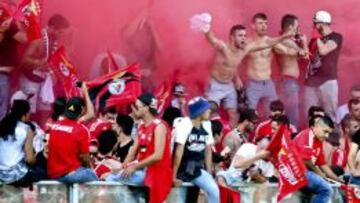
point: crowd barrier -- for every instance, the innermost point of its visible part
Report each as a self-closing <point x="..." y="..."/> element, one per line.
<point x="96" y="192"/>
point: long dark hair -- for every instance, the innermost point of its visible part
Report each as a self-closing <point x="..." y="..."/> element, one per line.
<point x="8" y="124"/>
<point x="58" y="108"/>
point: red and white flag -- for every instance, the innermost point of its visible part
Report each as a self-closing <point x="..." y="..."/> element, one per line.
<point x="117" y="89"/>
<point x="29" y="11"/>
<point x="65" y="71"/>
<point x="352" y="193"/>
<point x="287" y="161"/>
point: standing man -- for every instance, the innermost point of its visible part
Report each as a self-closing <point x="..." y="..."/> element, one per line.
<point x="225" y="80"/>
<point x="321" y="86"/>
<point x="35" y="65"/>
<point x="10" y="37"/>
<point x="260" y="86"/>
<point x="289" y="51"/>
<point x="193" y="154"/>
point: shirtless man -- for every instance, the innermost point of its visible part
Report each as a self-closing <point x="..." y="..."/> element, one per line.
<point x="224" y="78"/>
<point x="289" y="52"/>
<point x="260" y="86"/>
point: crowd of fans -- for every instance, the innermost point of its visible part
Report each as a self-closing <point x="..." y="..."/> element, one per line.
<point x="191" y="141"/>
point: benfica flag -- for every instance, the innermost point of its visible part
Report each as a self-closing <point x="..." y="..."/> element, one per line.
<point x="119" y="88"/>
<point x="30" y="11"/>
<point x="65" y="71"/>
<point x="291" y="169"/>
<point x="352" y="193"/>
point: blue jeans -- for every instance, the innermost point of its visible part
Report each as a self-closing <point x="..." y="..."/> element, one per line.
<point x="207" y="183"/>
<point x="4" y="94"/>
<point x="355" y="180"/>
<point x="81" y="175"/>
<point x="319" y="187"/>
<point x="290" y="90"/>
<point x="137" y="178"/>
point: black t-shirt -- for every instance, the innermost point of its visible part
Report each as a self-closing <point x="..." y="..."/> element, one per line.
<point x="122" y="151"/>
<point x="325" y="67"/>
<point x="194" y="155"/>
<point x="8" y="48"/>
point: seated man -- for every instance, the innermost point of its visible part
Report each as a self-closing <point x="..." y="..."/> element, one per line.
<point x="241" y="133"/>
<point x="266" y="129"/>
<point x="148" y="162"/>
<point x="309" y="144"/>
<point x="194" y="139"/>
<point x="72" y="163"/>
<point x="242" y="172"/>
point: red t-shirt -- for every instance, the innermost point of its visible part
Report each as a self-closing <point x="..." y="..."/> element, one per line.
<point x="68" y="139"/>
<point x="264" y="129"/>
<point x="309" y="147"/>
<point x="96" y="127"/>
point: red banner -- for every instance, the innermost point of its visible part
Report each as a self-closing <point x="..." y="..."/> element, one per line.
<point x="291" y="169"/>
<point x="30" y="10"/>
<point x="65" y="71"/>
<point x="352" y="194"/>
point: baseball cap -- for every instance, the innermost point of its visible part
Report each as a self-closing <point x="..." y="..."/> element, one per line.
<point x="179" y="89"/>
<point x="74" y="108"/>
<point x="149" y="100"/>
<point x="322" y="17"/>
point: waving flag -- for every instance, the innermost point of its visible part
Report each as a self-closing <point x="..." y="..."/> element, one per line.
<point x="30" y="10"/>
<point x="119" y="88"/>
<point x="352" y="193"/>
<point x="112" y="65"/>
<point x="65" y="71"/>
<point x="291" y="169"/>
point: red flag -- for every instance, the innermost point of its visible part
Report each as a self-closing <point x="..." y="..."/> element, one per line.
<point x="164" y="92"/>
<point x="112" y="65"/>
<point x="352" y="193"/>
<point x="285" y="158"/>
<point x="30" y="10"/>
<point x="119" y="88"/>
<point x="65" y="71"/>
<point x="163" y="95"/>
<point x="228" y="195"/>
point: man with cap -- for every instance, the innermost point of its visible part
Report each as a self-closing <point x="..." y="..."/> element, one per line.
<point x="179" y="97"/>
<point x="321" y="86"/>
<point x="148" y="162"/>
<point x="69" y="159"/>
<point x="194" y="139"/>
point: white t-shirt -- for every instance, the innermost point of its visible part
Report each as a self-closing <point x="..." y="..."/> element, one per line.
<point x="248" y="150"/>
<point x="341" y="112"/>
<point x="183" y="127"/>
<point x="12" y="151"/>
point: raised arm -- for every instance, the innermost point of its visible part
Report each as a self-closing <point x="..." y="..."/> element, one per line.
<point x="269" y="42"/>
<point x="90" y="111"/>
<point x="214" y="41"/>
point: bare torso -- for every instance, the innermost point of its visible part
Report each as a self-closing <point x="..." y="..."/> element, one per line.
<point x="289" y="64"/>
<point x="259" y="63"/>
<point x="226" y="63"/>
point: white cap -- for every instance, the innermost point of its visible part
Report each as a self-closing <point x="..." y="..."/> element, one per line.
<point x="322" y="17"/>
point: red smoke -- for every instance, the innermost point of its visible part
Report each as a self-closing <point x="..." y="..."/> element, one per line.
<point x="97" y="25"/>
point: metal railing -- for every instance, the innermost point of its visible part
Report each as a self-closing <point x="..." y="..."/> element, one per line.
<point x="56" y="192"/>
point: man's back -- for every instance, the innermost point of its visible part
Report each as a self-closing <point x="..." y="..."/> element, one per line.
<point x="68" y="140"/>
